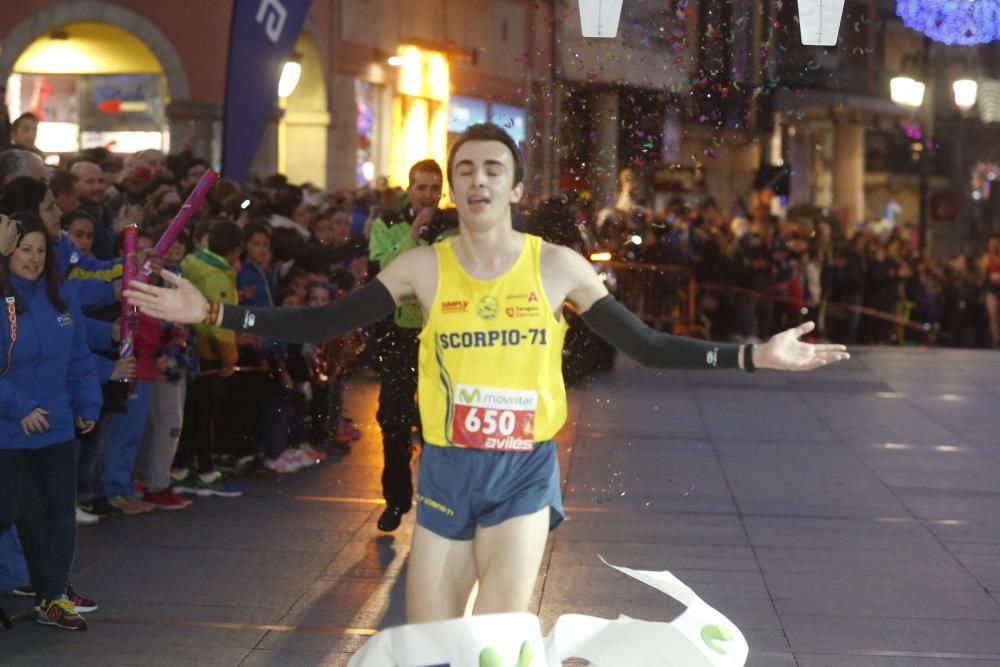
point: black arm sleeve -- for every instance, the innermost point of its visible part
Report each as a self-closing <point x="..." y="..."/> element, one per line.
<point x="355" y="309"/>
<point x="616" y="324"/>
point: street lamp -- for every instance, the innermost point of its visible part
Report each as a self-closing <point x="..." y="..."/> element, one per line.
<point x="290" y="74"/>
<point x="965" y="93"/>
<point x="906" y="91"/>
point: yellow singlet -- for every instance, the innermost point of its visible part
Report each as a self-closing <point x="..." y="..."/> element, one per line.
<point x="490" y="373"/>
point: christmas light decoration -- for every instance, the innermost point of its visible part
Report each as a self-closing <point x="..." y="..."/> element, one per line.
<point x="965" y="22"/>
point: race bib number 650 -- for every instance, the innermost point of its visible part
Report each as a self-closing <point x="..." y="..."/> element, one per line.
<point x="497" y="419"/>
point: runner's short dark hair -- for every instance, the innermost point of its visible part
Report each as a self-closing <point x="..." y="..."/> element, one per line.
<point x="488" y="132"/>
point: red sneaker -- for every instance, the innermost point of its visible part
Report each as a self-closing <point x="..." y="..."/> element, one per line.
<point x="168" y="499"/>
<point x="60" y="613"/>
<point x="82" y="604"/>
<point x="348" y="432"/>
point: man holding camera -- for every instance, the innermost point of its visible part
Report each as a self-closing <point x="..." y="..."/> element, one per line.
<point x="418" y="222"/>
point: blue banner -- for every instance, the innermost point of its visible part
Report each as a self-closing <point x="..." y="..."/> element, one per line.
<point x="261" y="41"/>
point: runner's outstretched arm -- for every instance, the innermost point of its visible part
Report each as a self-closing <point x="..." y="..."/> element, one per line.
<point x="186" y="304"/>
<point x="655" y="349"/>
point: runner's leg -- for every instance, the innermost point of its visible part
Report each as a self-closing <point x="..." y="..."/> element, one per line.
<point x="439" y="577"/>
<point x="508" y="556"/>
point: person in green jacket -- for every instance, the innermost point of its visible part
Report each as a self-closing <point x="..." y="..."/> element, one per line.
<point x="418" y="222"/>
<point x="213" y="271"/>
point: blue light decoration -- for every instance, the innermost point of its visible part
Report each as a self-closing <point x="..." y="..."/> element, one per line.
<point x="964" y="22"/>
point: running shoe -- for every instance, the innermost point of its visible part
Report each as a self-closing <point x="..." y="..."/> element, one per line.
<point x="61" y="613"/>
<point x="348" y="431"/>
<point x="100" y="507"/>
<point x="168" y="499"/>
<point x="212" y="484"/>
<point x="24" y="590"/>
<point x="82" y="604"/>
<point x="312" y="453"/>
<point x="180" y="474"/>
<point x="131" y="507"/>
<point x="84" y="518"/>
<point x="283" y="464"/>
<point x="298" y="456"/>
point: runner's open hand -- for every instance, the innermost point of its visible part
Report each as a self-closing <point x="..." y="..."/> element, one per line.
<point x="785" y="352"/>
<point x="185" y="304"/>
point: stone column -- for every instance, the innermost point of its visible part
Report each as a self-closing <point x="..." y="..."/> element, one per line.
<point x="342" y="135"/>
<point x="800" y="158"/>
<point x="603" y="159"/>
<point x="849" y="169"/>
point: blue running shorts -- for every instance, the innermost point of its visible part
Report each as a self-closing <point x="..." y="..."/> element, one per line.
<point x="459" y="489"/>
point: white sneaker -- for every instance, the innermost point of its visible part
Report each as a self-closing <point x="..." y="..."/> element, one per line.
<point x="299" y="457"/>
<point x="282" y="464"/>
<point x="86" y="518"/>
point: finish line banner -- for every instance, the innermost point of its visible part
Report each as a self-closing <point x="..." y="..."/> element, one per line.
<point x="261" y="40"/>
<point x="699" y="637"/>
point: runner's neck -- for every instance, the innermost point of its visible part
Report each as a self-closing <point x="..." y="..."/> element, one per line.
<point x="489" y="253"/>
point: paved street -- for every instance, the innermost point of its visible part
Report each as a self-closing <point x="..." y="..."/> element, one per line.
<point x="843" y="518"/>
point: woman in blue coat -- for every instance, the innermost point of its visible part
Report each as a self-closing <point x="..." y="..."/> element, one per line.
<point x="48" y="391"/>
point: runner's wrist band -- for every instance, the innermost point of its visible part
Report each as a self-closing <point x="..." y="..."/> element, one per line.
<point x="748" y="365"/>
<point x="212" y="314"/>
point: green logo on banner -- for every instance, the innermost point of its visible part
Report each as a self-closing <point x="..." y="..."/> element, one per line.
<point x="711" y="634"/>
<point x="490" y="657"/>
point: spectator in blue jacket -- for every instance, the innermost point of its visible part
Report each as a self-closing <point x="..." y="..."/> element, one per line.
<point x="48" y="391"/>
<point x="255" y="281"/>
<point x="30" y="194"/>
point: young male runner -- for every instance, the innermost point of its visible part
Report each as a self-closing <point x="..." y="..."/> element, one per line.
<point x="490" y="388"/>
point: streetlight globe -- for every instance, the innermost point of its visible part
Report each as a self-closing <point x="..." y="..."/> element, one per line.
<point x="906" y="91"/>
<point x="965" y="93"/>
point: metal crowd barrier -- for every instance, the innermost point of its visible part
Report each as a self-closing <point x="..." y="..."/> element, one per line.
<point x="659" y="294"/>
<point x="667" y="295"/>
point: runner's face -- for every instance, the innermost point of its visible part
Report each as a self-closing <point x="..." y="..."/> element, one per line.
<point x="482" y="183"/>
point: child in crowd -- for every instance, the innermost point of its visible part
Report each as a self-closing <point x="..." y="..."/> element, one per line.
<point x="122" y="433"/>
<point x="293" y="374"/>
<point x="255" y="280"/>
<point x="80" y="226"/>
<point x="106" y="460"/>
<point x="162" y="435"/>
<point x="328" y="428"/>
<point x="212" y="270"/>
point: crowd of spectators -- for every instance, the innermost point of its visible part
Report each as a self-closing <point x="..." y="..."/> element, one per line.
<point x="758" y="274"/>
<point x="194" y="406"/>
